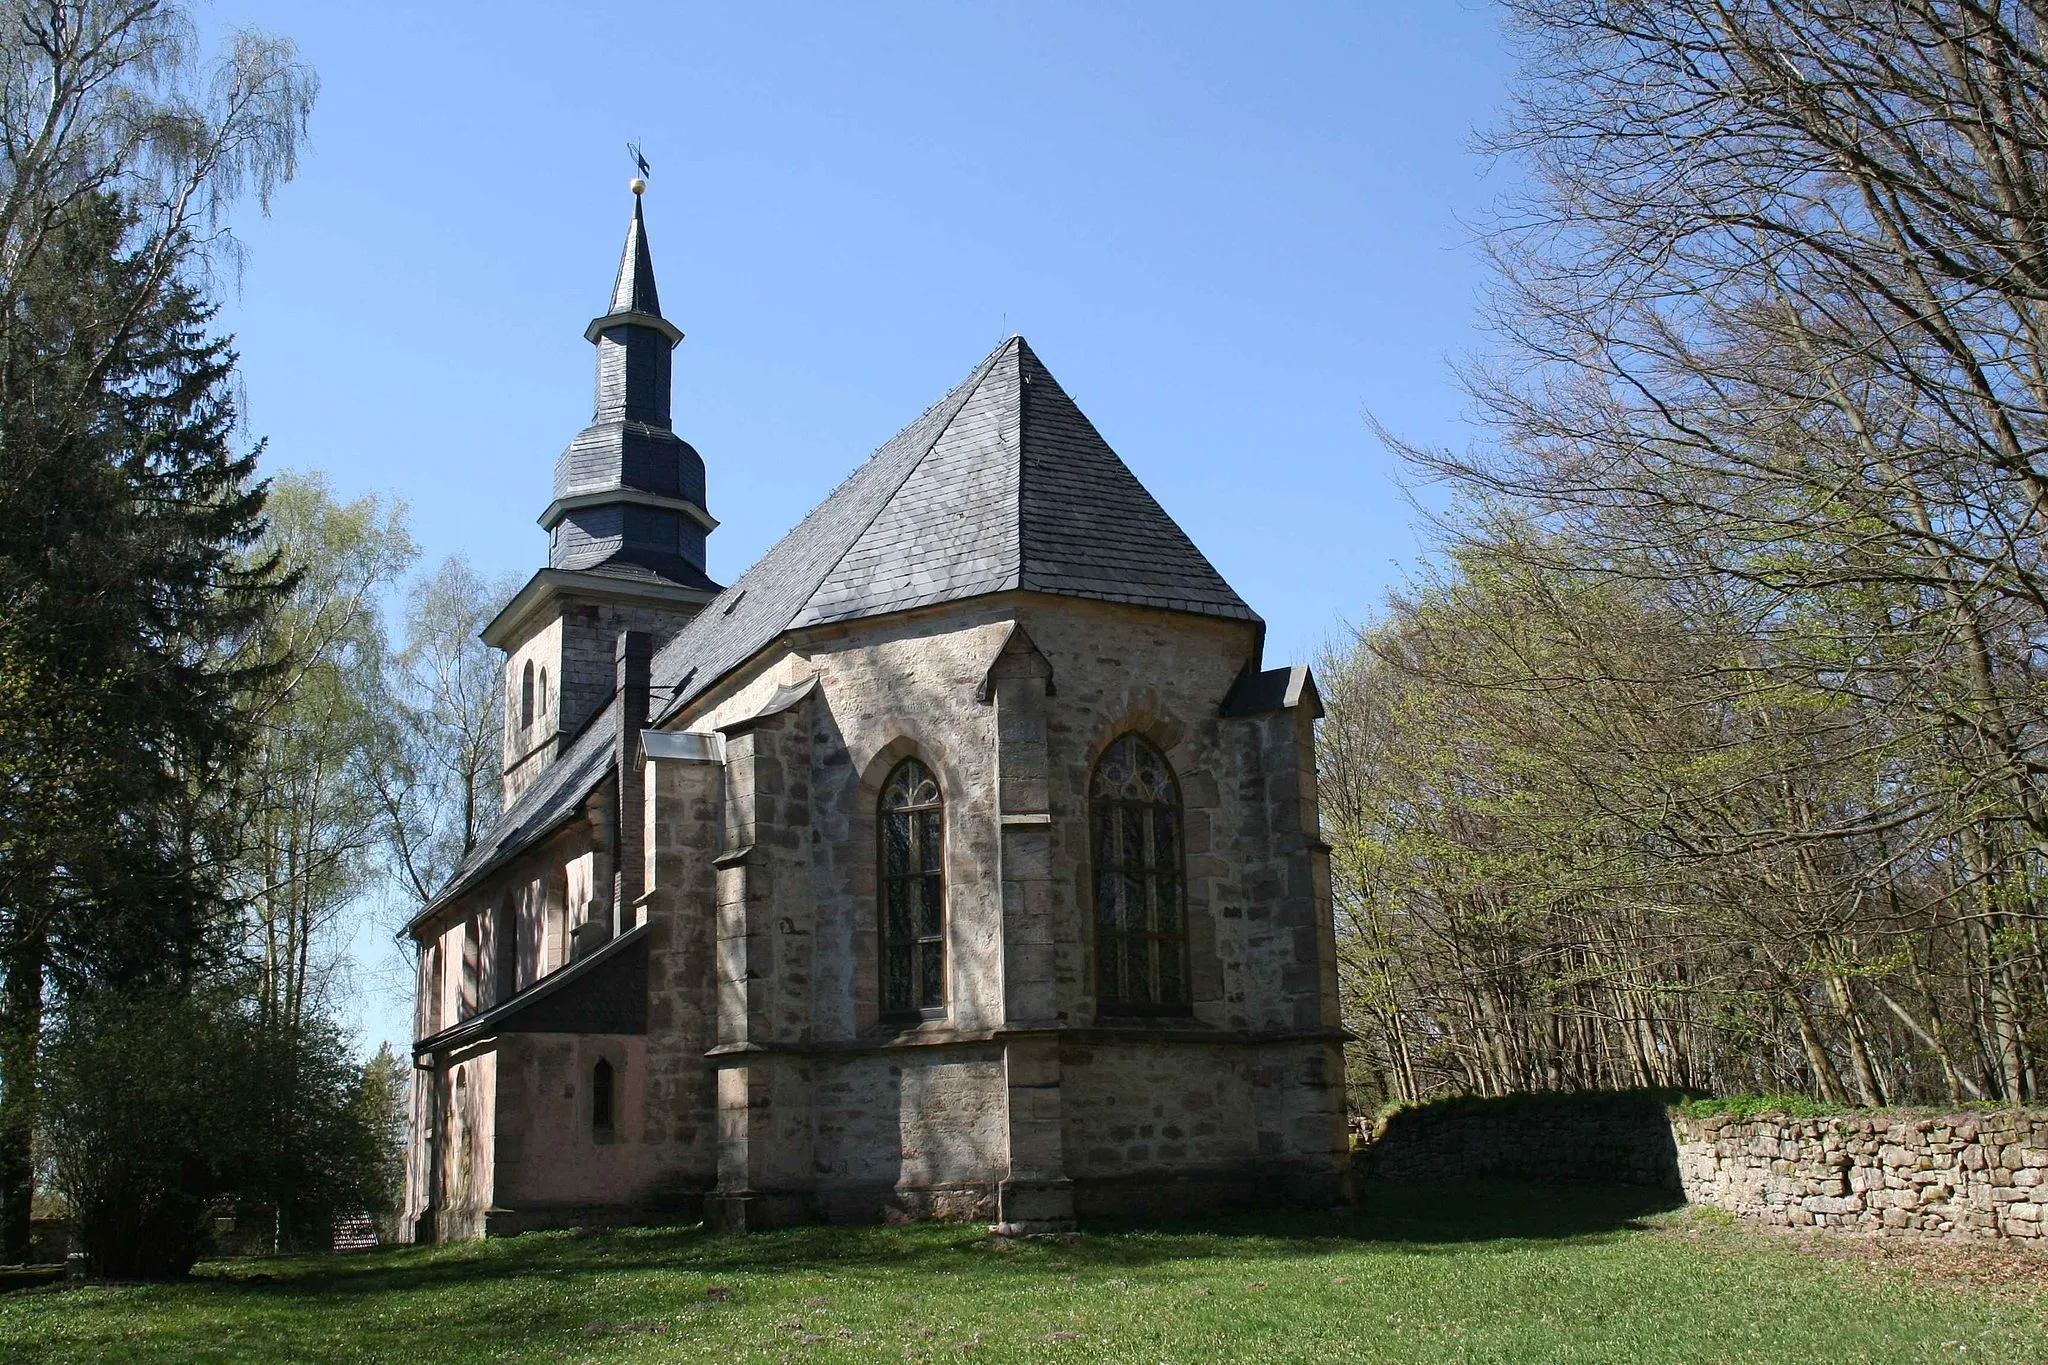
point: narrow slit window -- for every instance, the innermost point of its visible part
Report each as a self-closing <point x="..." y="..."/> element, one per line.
<point x="913" y="894"/>
<point x="526" y="695"/>
<point x="601" y="1098"/>
<point x="1141" y="940"/>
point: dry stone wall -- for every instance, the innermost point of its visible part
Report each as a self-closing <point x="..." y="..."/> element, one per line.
<point x="1613" y="1138"/>
<point x="1951" y="1175"/>
<point x="1970" y="1175"/>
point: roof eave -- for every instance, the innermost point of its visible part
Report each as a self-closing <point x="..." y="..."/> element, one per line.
<point x="504" y="628"/>
<point x="478" y="1026"/>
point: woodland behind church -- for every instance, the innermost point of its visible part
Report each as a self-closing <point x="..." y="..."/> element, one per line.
<point x="972" y="856"/>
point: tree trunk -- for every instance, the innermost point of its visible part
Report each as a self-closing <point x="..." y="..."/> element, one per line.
<point x="21" y="1027"/>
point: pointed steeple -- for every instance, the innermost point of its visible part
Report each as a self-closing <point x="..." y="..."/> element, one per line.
<point x="634" y="292"/>
<point x="629" y="494"/>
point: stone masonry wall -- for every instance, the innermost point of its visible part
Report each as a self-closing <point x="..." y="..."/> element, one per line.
<point x="1620" y="1138"/>
<point x="1892" y="1173"/>
<point x="1952" y="1175"/>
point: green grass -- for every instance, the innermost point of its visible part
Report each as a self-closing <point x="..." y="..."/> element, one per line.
<point x="1468" y="1273"/>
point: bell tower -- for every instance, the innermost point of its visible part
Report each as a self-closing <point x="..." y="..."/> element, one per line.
<point x="626" y="531"/>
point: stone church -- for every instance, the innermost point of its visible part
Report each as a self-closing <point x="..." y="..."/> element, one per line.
<point x="959" y="861"/>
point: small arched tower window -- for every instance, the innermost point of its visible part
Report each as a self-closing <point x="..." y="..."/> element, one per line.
<point x="913" y="893"/>
<point x="601" y="1098"/>
<point x="1141" y="939"/>
<point x="526" y="695"/>
<point x="540" y="696"/>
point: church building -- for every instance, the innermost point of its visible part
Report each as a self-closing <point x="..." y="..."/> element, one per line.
<point x="959" y="861"/>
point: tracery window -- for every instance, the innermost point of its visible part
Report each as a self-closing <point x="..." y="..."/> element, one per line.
<point x="1141" y="941"/>
<point x="601" y="1098"/>
<point x="913" y="893"/>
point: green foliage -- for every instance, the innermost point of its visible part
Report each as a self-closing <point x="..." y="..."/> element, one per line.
<point x="124" y="509"/>
<point x="381" y="1105"/>
<point x="1749" y="1106"/>
<point x="309" y="809"/>
<point x="164" y="1106"/>
<point x="1805" y="1107"/>
<point x="1421" y="1274"/>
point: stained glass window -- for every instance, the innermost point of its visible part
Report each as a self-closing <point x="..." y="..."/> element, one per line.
<point x="913" y="894"/>
<point x="1141" y="940"/>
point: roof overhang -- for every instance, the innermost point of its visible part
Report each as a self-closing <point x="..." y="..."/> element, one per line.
<point x="544" y="587"/>
<point x="500" y="1016"/>
<point x="653" y="323"/>
<point x="604" y="497"/>
<point x="1275" y="689"/>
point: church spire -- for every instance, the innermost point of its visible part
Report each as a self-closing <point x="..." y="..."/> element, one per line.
<point x="633" y="340"/>
<point x="629" y="495"/>
<point x="634" y="292"/>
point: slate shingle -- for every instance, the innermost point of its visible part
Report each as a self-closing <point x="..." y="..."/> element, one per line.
<point x="1001" y="484"/>
<point x="551" y="798"/>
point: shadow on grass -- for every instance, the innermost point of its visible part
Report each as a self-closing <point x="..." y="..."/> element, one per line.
<point x="1401" y="1218"/>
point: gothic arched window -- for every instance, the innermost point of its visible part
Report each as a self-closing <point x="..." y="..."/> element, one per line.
<point x="540" y="696"/>
<point x="526" y="695"/>
<point x="601" y="1097"/>
<point x="913" y="893"/>
<point x="1141" y="937"/>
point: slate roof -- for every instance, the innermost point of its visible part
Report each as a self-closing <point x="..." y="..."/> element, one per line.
<point x="633" y="291"/>
<point x="1001" y="484"/>
<point x="548" y="801"/>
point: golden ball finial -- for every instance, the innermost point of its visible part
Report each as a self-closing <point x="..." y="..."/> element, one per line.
<point x="637" y="185"/>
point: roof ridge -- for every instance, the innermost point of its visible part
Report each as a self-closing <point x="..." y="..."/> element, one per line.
<point x="966" y="392"/>
<point x="1023" y="444"/>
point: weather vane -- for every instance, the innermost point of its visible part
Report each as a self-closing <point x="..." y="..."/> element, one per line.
<point x="639" y="182"/>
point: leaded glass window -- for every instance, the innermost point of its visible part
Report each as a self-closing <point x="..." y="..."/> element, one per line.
<point x="1141" y="941"/>
<point x="913" y="894"/>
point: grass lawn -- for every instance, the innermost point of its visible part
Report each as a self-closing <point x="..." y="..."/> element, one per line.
<point x="1465" y="1273"/>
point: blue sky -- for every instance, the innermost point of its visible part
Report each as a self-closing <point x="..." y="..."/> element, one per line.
<point x="1230" y="230"/>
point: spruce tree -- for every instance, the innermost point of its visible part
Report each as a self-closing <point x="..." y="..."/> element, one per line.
<point x="123" y="511"/>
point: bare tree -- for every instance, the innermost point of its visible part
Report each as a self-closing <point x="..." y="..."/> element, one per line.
<point x="442" y="792"/>
<point x="1773" y="370"/>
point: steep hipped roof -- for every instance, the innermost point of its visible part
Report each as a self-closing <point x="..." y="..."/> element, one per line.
<point x="1001" y="484"/>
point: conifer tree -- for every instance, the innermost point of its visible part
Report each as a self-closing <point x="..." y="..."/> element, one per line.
<point x="122" y="507"/>
<point x="122" y="504"/>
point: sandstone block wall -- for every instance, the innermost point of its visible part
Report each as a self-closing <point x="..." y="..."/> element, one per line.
<point x="1952" y="1175"/>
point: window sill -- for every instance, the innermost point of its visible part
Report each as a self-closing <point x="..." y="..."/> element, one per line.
<point x="1161" y="1016"/>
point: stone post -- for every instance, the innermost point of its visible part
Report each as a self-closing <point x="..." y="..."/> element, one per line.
<point x="632" y="660"/>
<point x="1302" y="1130"/>
<point x="684" y="794"/>
<point x="766" y="917"/>
<point x="1035" y="1194"/>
